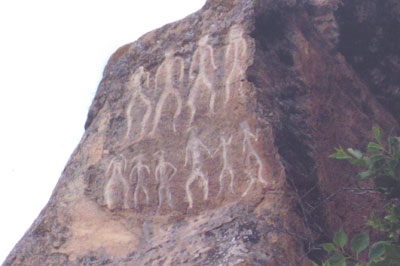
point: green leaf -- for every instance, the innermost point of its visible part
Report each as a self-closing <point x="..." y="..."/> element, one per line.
<point x="380" y="263"/>
<point x="377" y="250"/>
<point x="377" y="134"/>
<point x="393" y="217"/>
<point x="393" y="252"/>
<point x="351" y="262"/>
<point x="365" y="175"/>
<point x="368" y="162"/>
<point x="375" y="222"/>
<point x="377" y="157"/>
<point x="340" y="154"/>
<point x="390" y="144"/>
<point x="397" y="170"/>
<point x="356" y="153"/>
<point x="337" y="259"/>
<point x="353" y="160"/>
<point x="340" y="238"/>
<point x="363" y="162"/>
<point x="314" y="263"/>
<point x="374" y="147"/>
<point x="360" y="242"/>
<point x="328" y="247"/>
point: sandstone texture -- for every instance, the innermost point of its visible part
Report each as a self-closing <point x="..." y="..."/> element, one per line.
<point x="208" y="139"/>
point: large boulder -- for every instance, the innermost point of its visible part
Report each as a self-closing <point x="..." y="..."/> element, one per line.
<point x="207" y="142"/>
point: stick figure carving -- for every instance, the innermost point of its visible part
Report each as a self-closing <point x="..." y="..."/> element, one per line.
<point x="164" y="173"/>
<point x="165" y="79"/>
<point x="116" y="189"/>
<point x="201" y="76"/>
<point x="193" y="149"/>
<point x="226" y="168"/>
<point x="235" y="59"/>
<point x="137" y="82"/>
<point x="139" y="170"/>
<point x="252" y="158"/>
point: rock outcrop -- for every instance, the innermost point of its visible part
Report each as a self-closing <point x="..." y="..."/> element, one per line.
<point x="207" y="142"/>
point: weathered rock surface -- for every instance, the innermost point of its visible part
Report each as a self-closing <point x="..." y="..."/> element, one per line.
<point x="207" y="141"/>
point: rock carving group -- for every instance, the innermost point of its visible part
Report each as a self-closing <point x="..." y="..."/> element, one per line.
<point x="129" y="181"/>
<point x="135" y="176"/>
<point x="169" y="82"/>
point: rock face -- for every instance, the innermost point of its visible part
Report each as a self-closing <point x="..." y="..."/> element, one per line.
<point x="207" y="140"/>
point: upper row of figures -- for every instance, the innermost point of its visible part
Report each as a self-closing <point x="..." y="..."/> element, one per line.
<point x="127" y="180"/>
<point x="168" y="80"/>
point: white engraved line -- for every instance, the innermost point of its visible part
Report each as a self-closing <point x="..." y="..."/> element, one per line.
<point x="161" y="176"/>
<point x="168" y="64"/>
<point x="235" y="42"/>
<point x="202" y="53"/>
<point x="251" y="153"/>
<point x="117" y="169"/>
<point x="226" y="166"/>
<point x="135" y="84"/>
<point x="192" y="147"/>
<point x="252" y="180"/>
<point x="140" y="178"/>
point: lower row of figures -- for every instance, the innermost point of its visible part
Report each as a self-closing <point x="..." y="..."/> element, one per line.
<point x="125" y="184"/>
<point x="128" y="193"/>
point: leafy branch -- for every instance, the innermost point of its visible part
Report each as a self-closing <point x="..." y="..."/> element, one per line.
<point x="381" y="163"/>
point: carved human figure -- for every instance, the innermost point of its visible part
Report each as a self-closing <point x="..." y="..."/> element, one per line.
<point x="226" y="167"/>
<point x="116" y="189"/>
<point x="164" y="173"/>
<point x="201" y="74"/>
<point x="252" y="159"/>
<point x="139" y="80"/>
<point x="193" y="150"/>
<point x="235" y="59"/>
<point x="137" y="177"/>
<point x="171" y="67"/>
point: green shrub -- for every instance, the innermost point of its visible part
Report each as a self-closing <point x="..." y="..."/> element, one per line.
<point x="381" y="163"/>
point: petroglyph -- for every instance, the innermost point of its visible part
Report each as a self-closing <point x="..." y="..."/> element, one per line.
<point x="116" y="189"/>
<point x="226" y="168"/>
<point x="193" y="150"/>
<point x="139" y="171"/>
<point x="164" y="173"/>
<point x="165" y="80"/>
<point x="252" y="159"/>
<point x="138" y="80"/>
<point x="201" y="76"/>
<point x="235" y="60"/>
